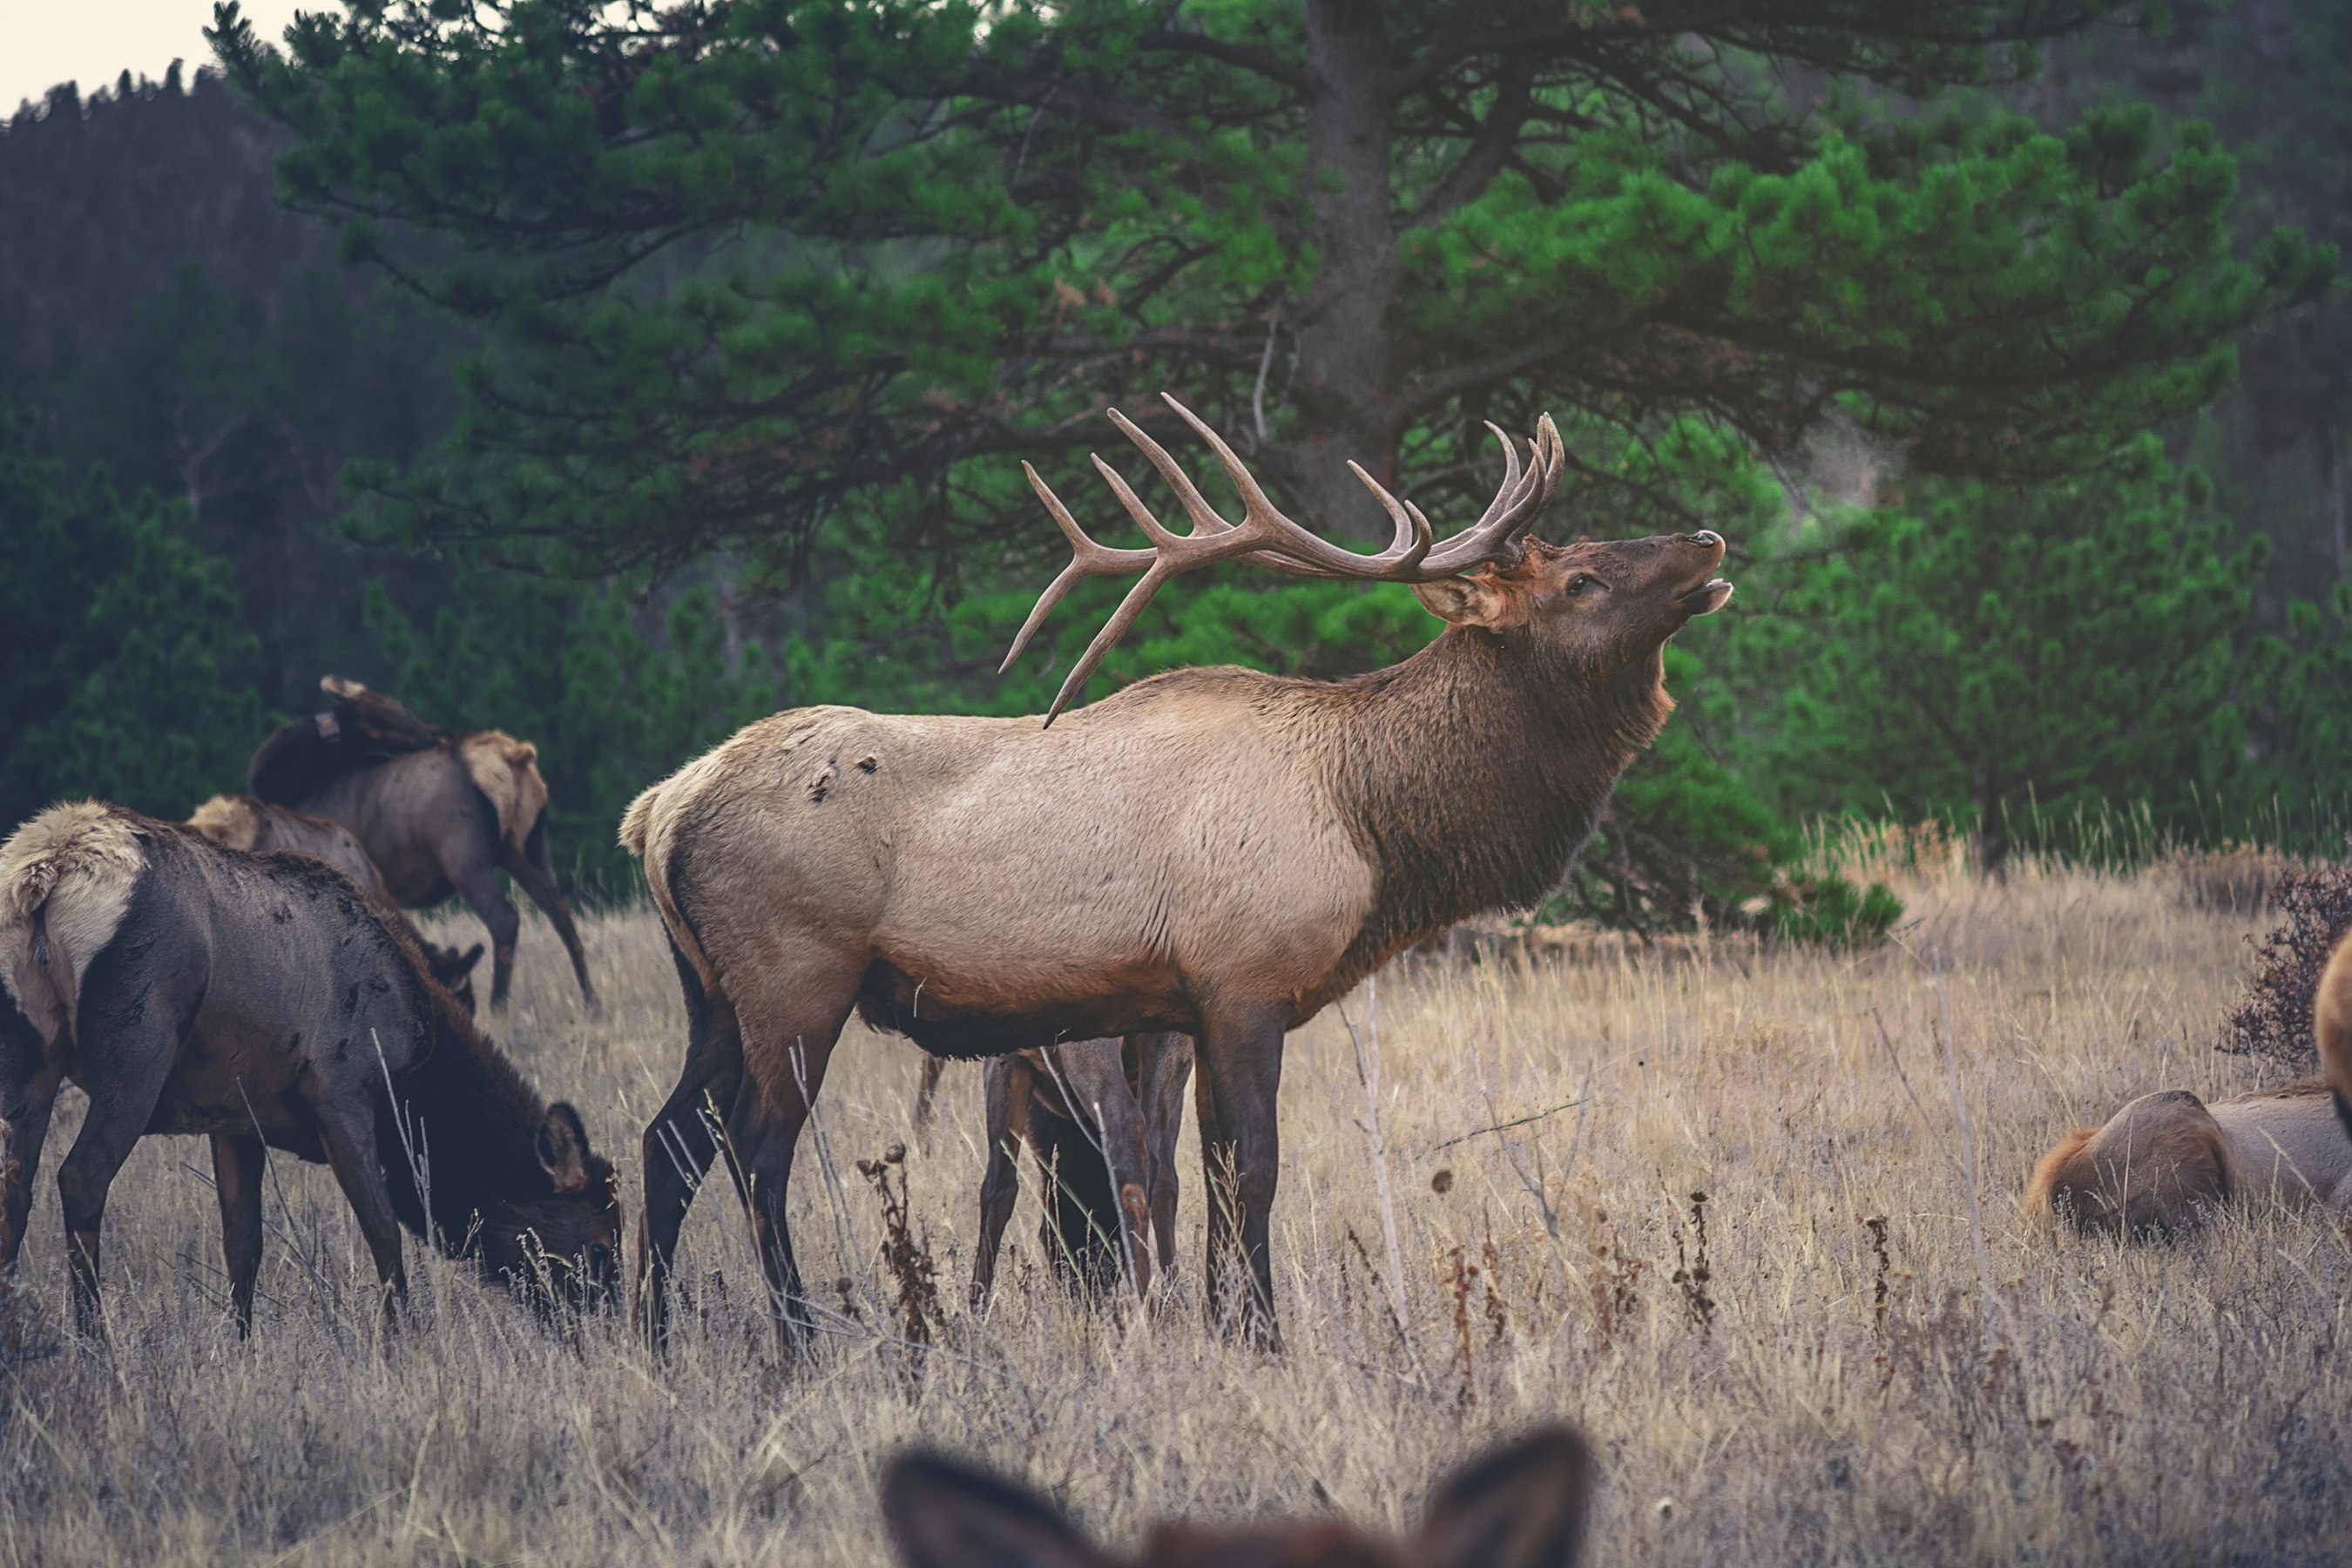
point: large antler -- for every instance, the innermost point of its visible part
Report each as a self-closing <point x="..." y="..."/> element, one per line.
<point x="1265" y="538"/>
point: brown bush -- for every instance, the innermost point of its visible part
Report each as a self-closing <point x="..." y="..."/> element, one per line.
<point x="2274" y="1018"/>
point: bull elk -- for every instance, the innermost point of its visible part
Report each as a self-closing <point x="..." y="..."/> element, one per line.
<point x="1522" y="1505"/>
<point x="260" y="1001"/>
<point x="437" y="811"/>
<point x="1218" y="852"/>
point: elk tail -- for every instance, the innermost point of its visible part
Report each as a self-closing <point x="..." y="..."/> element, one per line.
<point x="2332" y="1029"/>
<point x="65" y="879"/>
<point x="506" y="773"/>
<point x="649" y="830"/>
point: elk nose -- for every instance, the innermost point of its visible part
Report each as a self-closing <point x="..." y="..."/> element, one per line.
<point x="1708" y="538"/>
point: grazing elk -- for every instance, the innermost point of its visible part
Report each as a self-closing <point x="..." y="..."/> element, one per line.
<point x="2164" y="1159"/>
<point x="2332" y="1029"/>
<point x="1101" y="1117"/>
<point x="251" y="826"/>
<point x="437" y="812"/>
<point x="259" y="1000"/>
<point x="1522" y="1505"/>
<point x="1220" y="852"/>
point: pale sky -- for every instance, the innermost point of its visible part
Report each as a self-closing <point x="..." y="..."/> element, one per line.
<point x="44" y="42"/>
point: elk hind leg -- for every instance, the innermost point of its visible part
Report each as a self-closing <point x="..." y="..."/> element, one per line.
<point x="1163" y="1065"/>
<point x="533" y="869"/>
<point x="790" y="1013"/>
<point x="29" y="1090"/>
<point x="682" y="1139"/>
<point x="478" y="886"/>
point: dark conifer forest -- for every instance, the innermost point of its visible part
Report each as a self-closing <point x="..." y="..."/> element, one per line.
<point x="615" y="375"/>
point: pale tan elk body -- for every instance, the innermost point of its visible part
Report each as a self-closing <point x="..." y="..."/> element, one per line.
<point x="1101" y="1117"/>
<point x="2165" y="1159"/>
<point x="2332" y="1029"/>
<point x="1521" y="1505"/>
<point x="442" y="813"/>
<point x="1215" y="852"/>
<point x="251" y="826"/>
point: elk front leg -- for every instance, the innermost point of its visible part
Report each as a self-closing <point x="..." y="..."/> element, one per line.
<point x="1005" y="1089"/>
<point x="349" y="1134"/>
<point x="1240" y="1066"/>
<point x="238" y="1167"/>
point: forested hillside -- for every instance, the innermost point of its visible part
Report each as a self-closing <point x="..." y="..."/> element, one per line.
<point x="606" y="498"/>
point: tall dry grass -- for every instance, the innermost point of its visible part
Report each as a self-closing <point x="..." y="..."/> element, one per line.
<point x="1980" y="1396"/>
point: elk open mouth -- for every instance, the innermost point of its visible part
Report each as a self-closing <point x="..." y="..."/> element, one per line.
<point x="1705" y="598"/>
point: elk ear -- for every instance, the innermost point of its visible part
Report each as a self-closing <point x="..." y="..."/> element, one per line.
<point x="943" y="1514"/>
<point x="1521" y="1505"/>
<point x="563" y="1148"/>
<point x="1481" y="601"/>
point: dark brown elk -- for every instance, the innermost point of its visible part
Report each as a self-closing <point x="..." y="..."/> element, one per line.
<point x="260" y="1001"/>
<point x="437" y="811"/>
<point x="1522" y="1505"/>
<point x="1101" y="1118"/>
<point x="251" y="826"/>
<point x="1218" y="852"/>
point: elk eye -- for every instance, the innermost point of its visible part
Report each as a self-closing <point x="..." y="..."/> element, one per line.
<point x="1582" y="582"/>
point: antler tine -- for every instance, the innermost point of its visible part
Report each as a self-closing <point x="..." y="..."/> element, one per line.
<point x="1205" y="520"/>
<point x="1087" y="559"/>
<point x="1413" y="534"/>
<point x="1518" y="502"/>
<point x="1113" y="629"/>
<point x="1280" y="536"/>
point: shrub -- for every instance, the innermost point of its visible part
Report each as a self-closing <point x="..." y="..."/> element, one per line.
<point x="2274" y="1018"/>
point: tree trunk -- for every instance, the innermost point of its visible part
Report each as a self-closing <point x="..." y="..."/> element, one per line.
<point x="2331" y="467"/>
<point x="1345" y="390"/>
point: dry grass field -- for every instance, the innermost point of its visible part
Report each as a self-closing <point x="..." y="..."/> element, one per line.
<point x="1973" y="1394"/>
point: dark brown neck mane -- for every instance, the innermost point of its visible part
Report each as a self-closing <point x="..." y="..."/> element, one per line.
<point x="1470" y="773"/>
<point x="470" y="1120"/>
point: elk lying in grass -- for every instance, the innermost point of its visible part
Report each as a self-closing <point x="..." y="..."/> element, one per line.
<point x="2332" y="1029"/>
<point x="251" y="826"/>
<point x="438" y="812"/>
<point x="2164" y="1159"/>
<point x="260" y="1001"/>
<point x="1522" y="1505"/>
<point x="1101" y="1117"/>
<point x="1219" y="852"/>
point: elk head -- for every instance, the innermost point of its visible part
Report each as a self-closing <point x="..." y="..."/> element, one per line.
<point x="561" y="1244"/>
<point x="1594" y="602"/>
<point x="1521" y="1505"/>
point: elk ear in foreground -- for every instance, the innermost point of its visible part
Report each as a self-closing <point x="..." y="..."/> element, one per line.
<point x="1522" y="1505"/>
